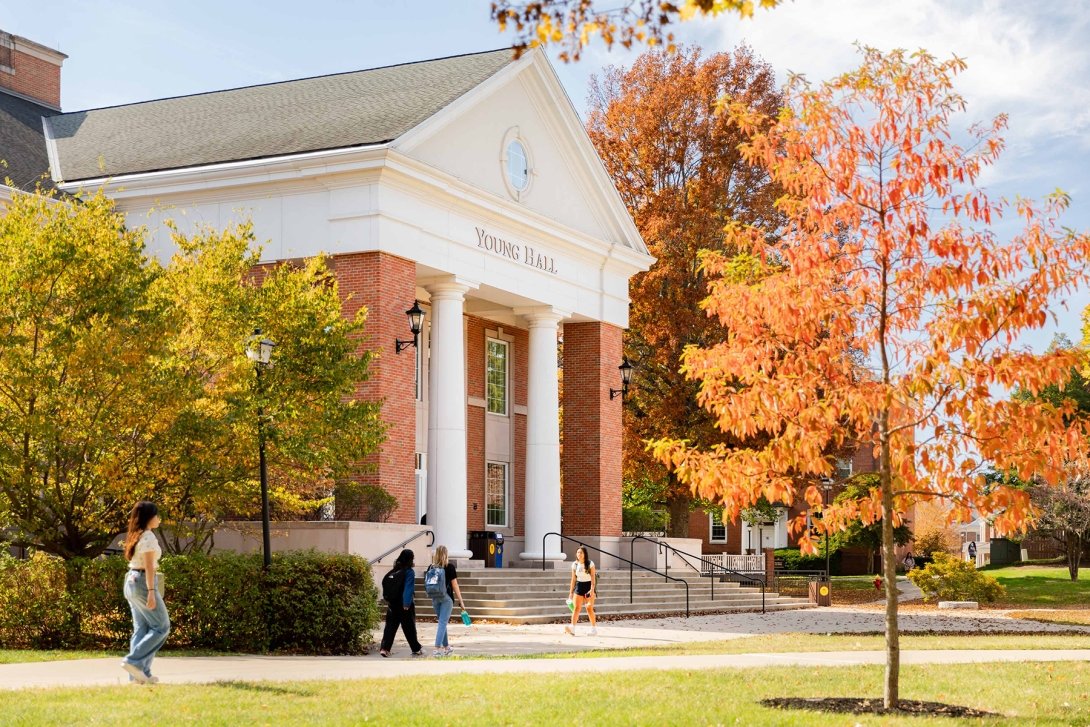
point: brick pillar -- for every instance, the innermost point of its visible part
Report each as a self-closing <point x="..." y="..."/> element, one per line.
<point x="386" y="285"/>
<point x="591" y="457"/>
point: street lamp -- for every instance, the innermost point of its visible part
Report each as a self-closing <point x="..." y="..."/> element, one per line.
<point x="827" y="486"/>
<point x="259" y="350"/>
<point x="626" y="378"/>
<point x="416" y="324"/>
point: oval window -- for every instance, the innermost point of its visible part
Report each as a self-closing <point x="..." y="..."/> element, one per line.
<point x="518" y="166"/>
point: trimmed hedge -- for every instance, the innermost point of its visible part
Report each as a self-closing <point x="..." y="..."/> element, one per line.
<point x="307" y="603"/>
<point x="793" y="559"/>
<point x="949" y="578"/>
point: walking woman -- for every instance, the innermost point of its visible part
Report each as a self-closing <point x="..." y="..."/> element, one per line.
<point x="584" y="586"/>
<point x="397" y="589"/>
<point x="143" y="590"/>
<point x="442" y="598"/>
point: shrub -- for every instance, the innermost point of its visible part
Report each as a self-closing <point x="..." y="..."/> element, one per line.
<point x="307" y="602"/>
<point x="642" y="519"/>
<point x="948" y="578"/>
<point x="793" y="559"/>
<point x="369" y="502"/>
<point x="932" y="540"/>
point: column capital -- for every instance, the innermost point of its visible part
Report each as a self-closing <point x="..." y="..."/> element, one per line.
<point x="448" y="286"/>
<point x="541" y="316"/>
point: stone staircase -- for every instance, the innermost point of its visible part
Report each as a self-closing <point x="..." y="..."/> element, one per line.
<point x="525" y="596"/>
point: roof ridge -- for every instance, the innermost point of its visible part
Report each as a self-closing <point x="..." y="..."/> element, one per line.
<point x="279" y="83"/>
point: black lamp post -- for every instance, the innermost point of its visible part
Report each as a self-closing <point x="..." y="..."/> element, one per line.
<point x="626" y="378"/>
<point x="827" y="486"/>
<point x="416" y="324"/>
<point x="259" y="351"/>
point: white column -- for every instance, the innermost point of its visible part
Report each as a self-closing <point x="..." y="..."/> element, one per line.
<point x="542" y="438"/>
<point x="447" y="419"/>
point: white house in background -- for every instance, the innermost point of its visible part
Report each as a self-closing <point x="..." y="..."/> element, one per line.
<point x="465" y="183"/>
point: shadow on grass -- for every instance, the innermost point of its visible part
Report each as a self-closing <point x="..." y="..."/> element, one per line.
<point x="863" y="705"/>
<point x="264" y="688"/>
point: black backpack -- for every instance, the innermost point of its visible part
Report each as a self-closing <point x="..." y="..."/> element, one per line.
<point x="393" y="587"/>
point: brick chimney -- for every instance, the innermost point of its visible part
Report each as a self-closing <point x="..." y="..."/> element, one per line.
<point x="30" y="70"/>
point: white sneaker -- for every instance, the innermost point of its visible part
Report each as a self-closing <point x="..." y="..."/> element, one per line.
<point x="153" y="679"/>
<point x="448" y="651"/>
<point x="568" y="630"/>
<point x="592" y="632"/>
<point x="134" y="671"/>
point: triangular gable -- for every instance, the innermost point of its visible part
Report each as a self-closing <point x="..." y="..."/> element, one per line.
<point x="570" y="185"/>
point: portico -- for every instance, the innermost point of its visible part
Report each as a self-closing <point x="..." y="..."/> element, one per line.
<point x="487" y="205"/>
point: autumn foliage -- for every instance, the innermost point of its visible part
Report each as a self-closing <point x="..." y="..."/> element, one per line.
<point x="888" y="258"/>
<point x="676" y="164"/>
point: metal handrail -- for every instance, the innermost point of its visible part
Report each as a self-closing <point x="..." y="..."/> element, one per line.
<point x="631" y="565"/>
<point x="666" y="547"/>
<point x="403" y="543"/>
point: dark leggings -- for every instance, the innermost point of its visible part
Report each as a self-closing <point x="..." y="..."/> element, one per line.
<point x="406" y="619"/>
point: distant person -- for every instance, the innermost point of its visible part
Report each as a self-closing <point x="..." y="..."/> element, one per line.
<point x="397" y="590"/>
<point x="972" y="551"/>
<point x="584" y="581"/>
<point x="441" y="584"/>
<point x="910" y="562"/>
<point x="143" y="588"/>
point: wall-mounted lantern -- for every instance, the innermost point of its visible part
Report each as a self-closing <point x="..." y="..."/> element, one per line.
<point x="626" y="378"/>
<point x="416" y="324"/>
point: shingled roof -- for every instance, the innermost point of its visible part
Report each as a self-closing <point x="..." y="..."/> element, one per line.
<point x="312" y="114"/>
<point x="22" y="144"/>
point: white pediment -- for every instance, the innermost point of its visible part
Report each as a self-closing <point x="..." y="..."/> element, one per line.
<point x="569" y="185"/>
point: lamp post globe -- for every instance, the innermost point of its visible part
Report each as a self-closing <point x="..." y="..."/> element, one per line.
<point x="259" y="351"/>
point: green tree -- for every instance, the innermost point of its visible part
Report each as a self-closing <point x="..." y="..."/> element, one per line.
<point x="862" y="487"/>
<point x="121" y="379"/>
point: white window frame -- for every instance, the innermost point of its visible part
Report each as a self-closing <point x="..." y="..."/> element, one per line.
<point x="514" y="135"/>
<point x="711" y="529"/>
<point x="506" y="494"/>
<point x="488" y="341"/>
<point x="850" y="467"/>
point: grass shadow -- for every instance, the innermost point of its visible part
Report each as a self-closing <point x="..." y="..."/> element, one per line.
<point x="264" y="688"/>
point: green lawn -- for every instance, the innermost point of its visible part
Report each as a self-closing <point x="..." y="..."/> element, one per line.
<point x="1046" y="694"/>
<point x="21" y="656"/>
<point x="1042" y="587"/>
<point x="784" y="643"/>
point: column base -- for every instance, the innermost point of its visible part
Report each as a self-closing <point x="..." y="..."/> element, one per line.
<point x="548" y="556"/>
<point x="460" y="554"/>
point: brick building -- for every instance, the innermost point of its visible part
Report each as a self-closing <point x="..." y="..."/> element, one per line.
<point x="739" y="537"/>
<point x="466" y="184"/>
<point x="30" y="88"/>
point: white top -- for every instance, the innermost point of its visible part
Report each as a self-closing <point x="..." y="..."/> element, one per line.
<point x="581" y="574"/>
<point x="147" y="543"/>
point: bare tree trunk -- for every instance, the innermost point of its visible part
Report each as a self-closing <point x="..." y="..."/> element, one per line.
<point x="679" y="517"/>
<point x="1074" y="554"/>
<point x="889" y="567"/>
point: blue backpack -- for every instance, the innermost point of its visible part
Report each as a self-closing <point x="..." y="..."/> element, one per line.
<point x="435" y="581"/>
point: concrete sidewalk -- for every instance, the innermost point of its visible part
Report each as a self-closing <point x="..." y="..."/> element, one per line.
<point x="197" y="670"/>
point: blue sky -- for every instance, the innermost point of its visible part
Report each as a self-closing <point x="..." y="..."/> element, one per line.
<point x="1030" y="60"/>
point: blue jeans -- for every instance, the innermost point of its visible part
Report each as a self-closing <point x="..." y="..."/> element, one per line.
<point x="443" y="607"/>
<point x="149" y="626"/>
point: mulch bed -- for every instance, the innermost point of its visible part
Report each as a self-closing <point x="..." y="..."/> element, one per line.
<point x="862" y="705"/>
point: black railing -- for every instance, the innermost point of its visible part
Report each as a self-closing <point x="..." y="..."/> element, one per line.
<point x="726" y="572"/>
<point x="632" y="565"/>
<point x="403" y="543"/>
<point x="796" y="582"/>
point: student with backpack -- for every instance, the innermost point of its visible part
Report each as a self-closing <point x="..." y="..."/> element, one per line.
<point x="584" y="586"/>
<point x="441" y="584"/>
<point x="397" y="591"/>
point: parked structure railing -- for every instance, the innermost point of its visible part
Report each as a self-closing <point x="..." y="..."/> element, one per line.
<point x="717" y="571"/>
<point x="405" y="542"/>
<point x="632" y="565"/>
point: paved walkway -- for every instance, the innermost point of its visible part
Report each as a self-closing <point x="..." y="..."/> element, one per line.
<point x="195" y="670"/>
<point x="501" y="639"/>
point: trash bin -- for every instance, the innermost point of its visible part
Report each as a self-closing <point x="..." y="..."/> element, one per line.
<point x="821" y="592"/>
<point x="487" y="546"/>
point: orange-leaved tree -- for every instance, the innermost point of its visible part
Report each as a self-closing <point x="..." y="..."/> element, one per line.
<point x="888" y="250"/>
<point x="573" y="23"/>
<point x="676" y="164"/>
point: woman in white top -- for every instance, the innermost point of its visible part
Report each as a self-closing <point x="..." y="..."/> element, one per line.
<point x="143" y="591"/>
<point x="584" y="587"/>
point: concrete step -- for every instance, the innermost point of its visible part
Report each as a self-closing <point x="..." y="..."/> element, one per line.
<point x="561" y="614"/>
